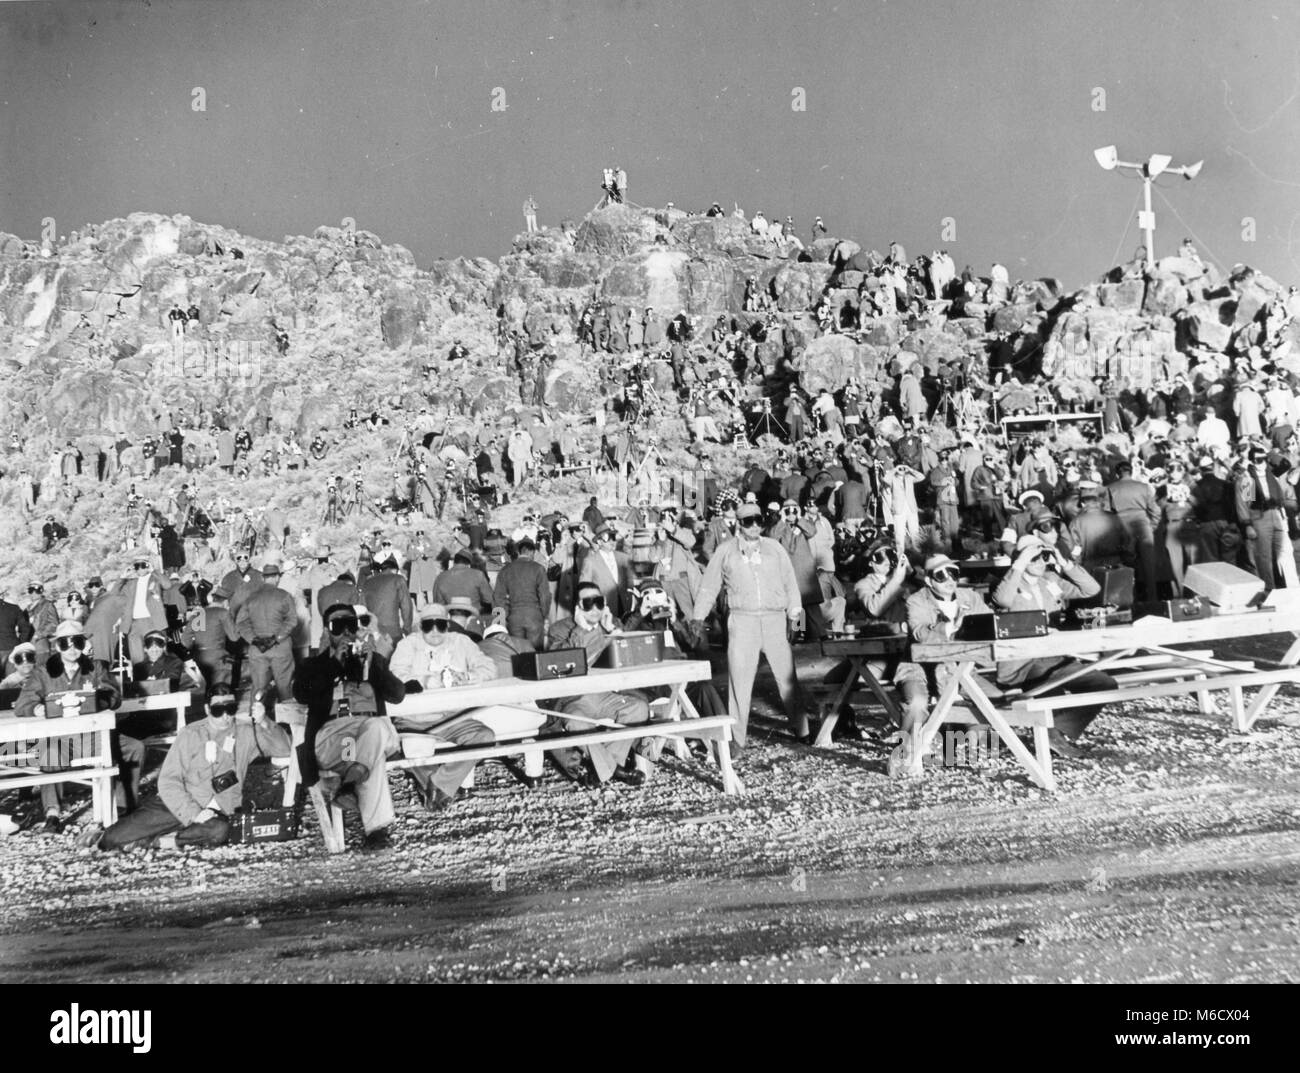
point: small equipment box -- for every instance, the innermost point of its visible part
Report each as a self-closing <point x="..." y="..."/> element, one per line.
<point x="633" y="649"/>
<point x="1003" y="625"/>
<point x="543" y="666"/>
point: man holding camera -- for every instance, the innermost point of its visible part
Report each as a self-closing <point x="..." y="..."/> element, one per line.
<point x="347" y="688"/>
<point x="201" y="782"/>
<point x="1042" y="579"/>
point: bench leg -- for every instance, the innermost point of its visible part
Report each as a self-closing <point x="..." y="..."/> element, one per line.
<point x="1238" y="709"/>
<point x="1205" y="699"/>
<point x="1040" y="773"/>
<point x="680" y="749"/>
<point x="292" y="776"/>
<point x="731" y="783"/>
<point x="329" y="818"/>
<point x="1268" y="692"/>
<point x="534" y="761"/>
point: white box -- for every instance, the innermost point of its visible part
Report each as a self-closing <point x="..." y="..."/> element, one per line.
<point x="1224" y="585"/>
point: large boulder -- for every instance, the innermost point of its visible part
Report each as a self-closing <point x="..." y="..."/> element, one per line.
<point x="1126" y="295"/>
<point x="400" y="316"/>
<point x="830" y="360"/>
<point x="1209" y="332"/>
<point x="615" y="231"/>
<point x="799" y="284"/>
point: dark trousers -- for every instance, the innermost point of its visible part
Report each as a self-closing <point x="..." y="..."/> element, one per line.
<point x="154" y="818"/>
<point x="992" y="517"/>
<point x="1071" y="722"/>
<point x="526" y="622"/>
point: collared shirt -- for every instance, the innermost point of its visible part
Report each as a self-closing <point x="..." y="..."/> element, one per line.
<point x="414" y="659"/>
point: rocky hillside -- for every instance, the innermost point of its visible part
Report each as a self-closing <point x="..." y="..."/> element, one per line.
<point x="86" y="347"/>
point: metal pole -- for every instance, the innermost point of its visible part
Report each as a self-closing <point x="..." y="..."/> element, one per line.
<point x="1150" y="219"/>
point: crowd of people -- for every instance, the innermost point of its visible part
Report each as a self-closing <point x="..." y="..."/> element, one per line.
<point x="867" y="501"/>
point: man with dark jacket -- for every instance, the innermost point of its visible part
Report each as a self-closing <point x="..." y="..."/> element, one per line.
<point x="389" y="599"/>
<point x="347" y="688"/>
<point x="461" y="579"/>
<point x="44" y="617"/>
<point x="160" y="665"/>
<point x="523" y="594"/>
<point x="69" y="672"/>
<point x="15" y="628"/>
<point x="266" y="621"/>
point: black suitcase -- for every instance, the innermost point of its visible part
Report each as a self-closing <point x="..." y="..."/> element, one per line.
<point x="266" y="825"/>
<point x="1116" y="587"/>
<point x="1003" y="625"/>
<point x="543" y="666"/>
<point x="633" y="649"/>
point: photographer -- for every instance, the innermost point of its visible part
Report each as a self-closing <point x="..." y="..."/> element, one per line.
<point x="346" y="689"/>
<point x="201" y="782"/>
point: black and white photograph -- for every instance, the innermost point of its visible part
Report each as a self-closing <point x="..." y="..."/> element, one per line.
<point x="651" y="492"/>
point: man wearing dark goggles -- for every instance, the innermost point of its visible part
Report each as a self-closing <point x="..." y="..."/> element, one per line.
<point x="1042" y="579"/>
<point x="347" y="687"/>
<point x="438" y="657"/>
<point x="70" y="682"/>
<point x="590" y="629"/>
<point x="201" y="783"/>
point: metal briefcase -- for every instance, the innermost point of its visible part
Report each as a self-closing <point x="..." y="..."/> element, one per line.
<point x="633" y="649"/>
<point x="1180" y="610"/>
<point x="558" y="663"/>
<point x="266" y="825"/>
<point x="1003" y="625"/>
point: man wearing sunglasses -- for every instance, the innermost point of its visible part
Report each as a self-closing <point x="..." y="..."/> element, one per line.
<point x="15" y="628"/>
<point x="201" y="783"/>
<point x="43" y="614"/>
<point x="765" y="605"/>
<point x="590" y="629"/>
<point x="347" y="688"/>
<point x="18" y="666"/>
<point x="436" y="657"/>
<point x="240" y="581"/>
<point x="141" y="594"/>
<point x="1042" y="579"/>
<point x="68" y="674"/>
<point x="160" y="665"/>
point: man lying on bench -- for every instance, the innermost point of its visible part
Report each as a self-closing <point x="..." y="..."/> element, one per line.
<point x="1041" y="579"/>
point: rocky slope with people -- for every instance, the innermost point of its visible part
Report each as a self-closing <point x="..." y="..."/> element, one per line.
<point x="87" y="350"/>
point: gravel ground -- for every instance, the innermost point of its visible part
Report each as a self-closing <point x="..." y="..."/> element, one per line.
<point x="1170" y="853"/>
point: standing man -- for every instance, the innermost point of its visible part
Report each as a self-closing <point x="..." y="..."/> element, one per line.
<point x="765" y="607"/>
<point x="266" y="621"/>
<point x="1135" y="503"/>
<point x="610" y="571"/>
<point x="103" y="623"/>
<point x="1260" y="500"/>
<point x="15" y="628"/>
<point x="523" y="595"/>
<point x="143" y="610"/>
<point x="530" y="214"/>
<point x="389" y="598"/>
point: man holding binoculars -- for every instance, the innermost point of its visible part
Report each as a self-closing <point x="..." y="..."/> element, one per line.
<point x="201" y="783"/>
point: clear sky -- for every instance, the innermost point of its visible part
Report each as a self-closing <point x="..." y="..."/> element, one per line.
<point x="916" y="111"/>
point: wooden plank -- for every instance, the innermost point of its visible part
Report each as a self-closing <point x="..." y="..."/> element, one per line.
<point x="1041" y="773"/>
<point x="433" y="706"/>
<point x="331" y="826"/>
<point x="13" y="728"/>
<point x="1257" y="706"/>
<point x="1167" y="689"/>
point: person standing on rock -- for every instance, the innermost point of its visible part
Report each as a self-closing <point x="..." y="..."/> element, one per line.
<point x="530" y="214"/>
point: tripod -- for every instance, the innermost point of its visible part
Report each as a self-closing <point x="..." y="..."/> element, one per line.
<point x="333" y="512"/>
<point x="766" y="424"/>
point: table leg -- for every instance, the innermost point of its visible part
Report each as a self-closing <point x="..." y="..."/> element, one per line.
<point x="923" y="736"/>
<point x="676" y="696"/>
<point x="824" y="732"/>
<point x="292" y="776"/>
<point x="1205" y="699"/>
<point x="329" y="818"/>
<point x="1041" y="773"/>
<point x="534" y="762"/>
<point x="1043" y="747"/>
<point x="1268" y="692"/>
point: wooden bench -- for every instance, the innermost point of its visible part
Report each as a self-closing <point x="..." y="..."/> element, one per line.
<point x="95" y="768"/>
<point x="679" y="720"/>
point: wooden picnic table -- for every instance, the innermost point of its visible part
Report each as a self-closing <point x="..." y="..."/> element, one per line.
<point x="679" y="721"/>
<point x="19" y="766"/>
<point x="859" y="651"/>
<point x="1124" y="648"/>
